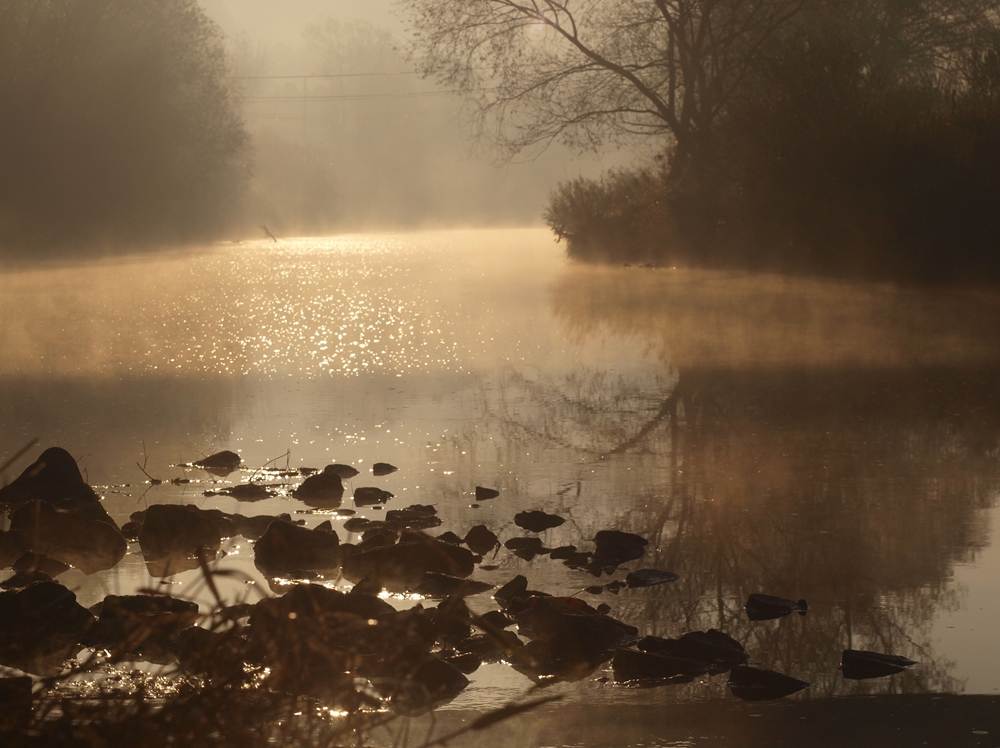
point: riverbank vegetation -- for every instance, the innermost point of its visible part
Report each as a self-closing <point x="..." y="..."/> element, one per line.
<point x="839" y="137"/>
<point x="117" y="124"/>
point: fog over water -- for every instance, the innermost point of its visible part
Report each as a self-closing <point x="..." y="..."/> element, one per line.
<point x="834" y="441"/>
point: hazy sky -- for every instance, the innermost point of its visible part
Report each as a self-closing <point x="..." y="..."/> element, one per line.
<point x="282" y="21"/>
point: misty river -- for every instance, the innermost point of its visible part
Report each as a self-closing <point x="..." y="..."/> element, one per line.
<point x="833" y="441"/>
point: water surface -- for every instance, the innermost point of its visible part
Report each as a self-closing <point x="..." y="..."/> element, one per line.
<point x="831" y="441"/>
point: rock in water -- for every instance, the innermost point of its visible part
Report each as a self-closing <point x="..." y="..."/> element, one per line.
<point x="537" y="521"/>
<point x="721" y="651"/>
<point x="765" y="607"/>
<point x="631" y="666"/>
<point x="383" y="468"/>
<point x="285" y="547"/>
<point x="140" y="627"/>
<point x="649" y="577"/>
<point x="402" y="567"/>
<point x="82" y="535"/>
<point x="40" y="627"/>
<point x="222" y="463"/>
<point x="344" y="471"/>
<point x="53" y="478"/>
<point x="483" y="494"/>
<point x="481" y="540"/>
<point x="753" y="684"/>
<point x="858" y="664"/>
<point x="369" y="496"/>
<point x="614" y="548"/>
<point x="171" y="528"/>
<point x="323" y="486"/>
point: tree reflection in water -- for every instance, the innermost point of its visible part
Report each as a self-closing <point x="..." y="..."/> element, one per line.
<point x="826" y="441"/>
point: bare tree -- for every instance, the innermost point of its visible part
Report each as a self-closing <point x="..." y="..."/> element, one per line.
<point x="590" y="72"/>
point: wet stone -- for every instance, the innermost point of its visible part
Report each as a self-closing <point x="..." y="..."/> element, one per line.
<point x="402" y="567"/>
<point x="370" y="495"/>
<point x="53" y="478"/>
<point x="765" y="607"/>
<point x="649" y="577"/>
<point x="631" y="666"/>
<point x="248" y="492"/>
<point x="719" y="650"/>
<point x="40" y="627"/>
<point x="436" y="585"/>
<point x="220" y="461"/>
<point x="173" y="528"/>
<point x="861" y="664"/>
<point x="285" y="547"/>
<point x="325" y="486"/>
<point x="754" y="684"/>
<point x="537" y="521"/>
<point x="481" y="540"/>
<point x="615" y="548"/>
<point x="383" y="468"/>
<point x="343" y="471"/>
<point x="83" y="536"/>
<point x="39" y="562"/>
<point x="484" y="494"/>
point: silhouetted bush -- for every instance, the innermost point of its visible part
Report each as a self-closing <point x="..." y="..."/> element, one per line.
<point x="116" y="123"/>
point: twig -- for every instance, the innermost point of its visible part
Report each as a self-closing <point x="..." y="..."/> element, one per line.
<point x="142" y="467"/>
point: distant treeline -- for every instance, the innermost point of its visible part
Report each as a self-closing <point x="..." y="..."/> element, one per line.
<point x="864" y="142"/>
<point x="116" y="124"/>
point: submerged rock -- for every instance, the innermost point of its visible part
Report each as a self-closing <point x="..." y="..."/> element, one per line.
<point x="383" y="468"/>
<point x="248" y="492"/>
<point x="765" y="607"/>
<point x="859" y="664"/>
<point x="252" y="528"/>
<point x="172" y="528"/>
<point x="31" y="561"/>
<point x="436" y="585"/>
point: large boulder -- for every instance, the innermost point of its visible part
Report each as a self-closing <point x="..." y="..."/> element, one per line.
<point x="285" y="547"/>
<point x="40" y="627"/>
<point x="326" y="487"/>
<point x="403" y="567"/>
<point x="171" y="528"/>
<point x="78" y="533"/>
<point x="54" y="477"/>
<point x="140" y="627"/>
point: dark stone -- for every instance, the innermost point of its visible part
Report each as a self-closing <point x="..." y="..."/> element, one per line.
<point x="24" y="578"/>
<point x="413" y="518"/>
<point x="576" y="633"/>
<point x="614" y="548"/>
<point x="10" y="549"/>
<point x="436" y="585"/>
<point x="130" y="530"/>
<point x="15" y="704"/>
<point x="78" y="533"/>
<point x="220" y="463"/>
<point x="484" y="494"/>
<point x="515" y="588"/>
<point x="631" y="666"/>
<point x="719" y="650"/>
<point x="537" y="521"/>
<point x="765" y="607"/>
<point x="450" y="537"/>
<point x="326" y="487"/>
<point x="344" y="471"/>
<point x="496" y="619"/>
<point x="753" y="684"/>
<point x="402" y="567"/>
<point x="248" y="492"/>
<point x="615" y="587"/>
<point x="369" y="495"/>
<point x="481" y="540"/>
<point x="383" y="468"/>
<point x="466" y="664"/>
<point x="252" y="528"/>
<point x="53" y="478"/>
<point x="40" y="627"/>
<point x="563" y="552"/>
<point x="285" y="547"/>
<point x="38" y="562"/>
<point x="526" y="548"/>
<point x="413" y="690"/>
<point x="858" y="664"/>
<point x="174" y="528"/>
<point x="649" y="577"/>
<point x="140" y="627"/>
